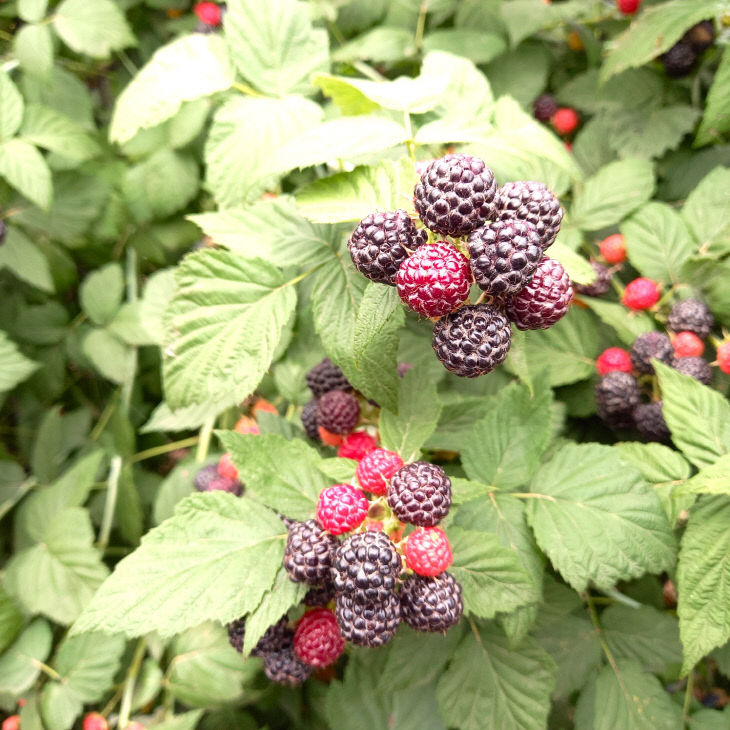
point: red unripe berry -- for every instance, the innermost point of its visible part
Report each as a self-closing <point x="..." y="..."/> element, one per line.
<point x="427" y="551"/>
<point x="641" y="293"/>
<point x="341" y="508"/>
<point x="613" y="248"/>
<point x="208" y="13"/>
<point x="376" y="468"/>
<point x="317" y="638"/>
<point x="356" y="445"/>
<point x="628" y="7"/>
<point x="612" y="359"/>
<point x="245" y="424"/>
<point x="95" y="721"/>
<point x="226" y="468"/>
<point x="329" y="438"/>
<point x="11" y="723"/>
<point x="565" y="120"/>
<point x="723" y="357"/>
<point x="687" y="344"/>
<point x="262" y="404"/>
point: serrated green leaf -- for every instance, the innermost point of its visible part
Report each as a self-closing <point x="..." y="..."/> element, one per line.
<point x="633" y="700"/>
<point x="596" y="519"/>
<point x="707" y="214"/>
<point x="246" y="134"/>
<point x="177" y="485"/>
<point x="350" y="196"/>
<point x="697" y="416"/>
<point x="213" y="560"/>
<point x="614" y="192"/>
<point x="11" y="620"/>
<point x="21" y="256"/>
<point x="578" y="269"/>
<point x="163" y="418"/>
<point x="223" y="327"/>
<point x="25" y="168"/>
<point x="12" y="107"/>
<point x="657" y="242"/>
<point x="33" y="45"/>
<point x="283" y="475"/>
<point x="101" y="293"/>
<point x="703" y="580"/>
<point x="189" y="68"/>
<point x="95" y="30"/>
<point x="492" y="576"/>
<point x="406" y="430"/>
<point x="53" y="131"/>
<point x="14" y="366"/>
<point x="628" y="325"/>
<point x="716" y="118"/>
<point x="491" y="686"/>
<point x="19" y="666"/>
<point x="712" y="479"/>
<point x="109" y="355"/>
<point x="653" y="32"/>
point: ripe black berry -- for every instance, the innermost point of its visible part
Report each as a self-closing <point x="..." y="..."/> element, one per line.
<point x="382" y="242"/>
<point x="420" y="494"/>
<point x="472" y="340"/>
<point x="368" y="624"/>
<point x="309" y="553"/>
<point x="366" y="567"/>
<point x="309" y="420"/>
<point x="338" y="412"/>
<point x="504" y="256"/>
<point x="534" y="202"/>
<point x="319" y="595"/>
<point x="696" y="367"/>
<point x="455" y="195"/>
<point x="285" y="667"/>
<point x="691" y="315"/>
<point x="431" y="604"/>
<point x="600" y="285"/>
<point x="679" y="60"/>
<point x="650" y="422"/>
<point x="544" y="107"/>
<point x="277" y="637"/>
<point x="237" y="633"/>
<point x="326" y="376"/>
<point x="617" y="395"/>
<point x="649" y="345"/>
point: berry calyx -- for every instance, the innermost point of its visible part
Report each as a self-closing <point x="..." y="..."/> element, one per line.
<point x="723" y="357"/>
<point x="435" y="280"/>
<point x="641" y="293"/>
<point x="317" y="638"/>
<point x="376" y="468"/>
<point x="427" y="551"/>
<point x="687" y="344"/>
<point x="341" y="508"/>
<point x="614" y="359"/>
<point x="565" y="120"/>
<point x="613" y="248"/>
<point x="628" y="7"/>
<point x="208" y="13"/>
<point x="356" y="445"/>
<point x="226" y="468"/>
<point x="95" y="721"/>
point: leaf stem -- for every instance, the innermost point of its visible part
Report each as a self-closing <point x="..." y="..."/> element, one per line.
<point x="206" y="430"/>
<point x="115" y="470"/>
<point x="164" y="449"/>
<point x="49" y="671"/>
<point x="599" y="631"/>
<point x="421" y="24"/>
<point x="620" y="598"/>
<point x="129" y="683"/>
<point x="245" y="89"/>
<point x="688" y="695"/>
<point x="410" y="142"/>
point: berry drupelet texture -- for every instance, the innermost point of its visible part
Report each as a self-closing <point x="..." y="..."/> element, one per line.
<point x="641" y="293"/>
<point x="614" y="358"/>
<point x="679" y="60"/>
<point x="696" y="367"/>
<point x="341" y="508"/>
<point x="691" y="315"/>
<point x="309" y="553"/>
<point x="613" y="248"/>
<point x="599" y="286"/>
<point x="617" y="395"/>
<point x="687" y="344"/>
<point x="326" y="376"/>
<point x="376" y="468"/>
<point x="309" y="420"/>
<point x="431" y="603"/>
<point x="317" y="638"/>
<point x="427" y="551"/>
<point x="338" y="412"/>
<point x="651" y="345"/>
<point x="534" y="203"/>
<point x="285" y="667"/>
<point x="356" y="445"/>
<point x="370" y="623"/>
<point x="420" y="494"/>
<point x="650" y="423"/>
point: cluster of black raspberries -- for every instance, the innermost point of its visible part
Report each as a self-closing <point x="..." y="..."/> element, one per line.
<point x="496" y="237"/>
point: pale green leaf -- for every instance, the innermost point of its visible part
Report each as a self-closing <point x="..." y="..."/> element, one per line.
<point x="707" y="213"/>
<point x="712" y="479"/>
<point x="95" y="29"/>
<point x="11" y="115"/>
<point x="32" y="10"/>
<point x="628" y="325"/>
<point x="163" y="418"/>
<point x="578" y="269"/>
<point x="187" y="721"/>
<point x="25" y="168"/>
<point x="213" y="560"/>
<point x="382" y="45"/>
<point x="21" y="256"/>
<point x="101" y="293"/>
<point x="703" y="580"/>
<point x="53" y="131"/>
<point x="33" y="45"/>
<point x="476" y="46"/>
<point x="716" y="118"/>
<point x="64" y="92"/>
<point x="11" y="620"/>
<point x="14" y="366"/>
<point x="710" y="719"/>
<point x="596" y="519"/>
<point x="344" y="94"/>
<point x="109" y="355"/>
<point x="223" y="327"/>
<point x="19" y="664"/>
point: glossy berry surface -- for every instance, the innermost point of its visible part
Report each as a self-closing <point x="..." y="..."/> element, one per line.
<point x="338" y="412"/>
<point x="641" y="293"/>
<point x="628" y="7"/>
<point x="532" y="202"/>
<point x="565" y="120"/>
<point x="370" y="623"/>
<point x="431" y="603"/>
<point x="366" y="567"/>
<point x="691" y="315"/>
<point x="687" y="344"/>
<point x="613" y="248"/>
<point x="208" y="13"/>
<point x="95" y="721"/>
<point x="435" y="280"/>
<point x="376" y="468"/>
<point x="356" y="445"/>
<point x="420" y="494"/>
<point x="326" y="376"/>
<point x="317" y="638"/>
<point x="341" y="508"/>
<point x="614" y="358"/>
<point x="427" y="551"/>
<point x="285" y="667"/>
<point x="617" y="395"/>
<point x="309" y="553"/>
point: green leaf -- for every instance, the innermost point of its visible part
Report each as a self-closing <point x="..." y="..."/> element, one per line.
<point x="189" y="68"/>
<point x="206" y="670"/>
<point x="578" y="269"/>
<point x="382" y="45"/>
<point x="32" y="10"/>
<point x="101" y="293"/>
<point x="177" y="485"/>
<point x="611" y="194"/>
<point x="631" y="699"/>
<point x="712" y="479"/>
<point x="11" y="115"/>
<point x="21" y="256"/>
<point x="213" y="560"/>
<point x="492" y="686"/>
<point x="14" y="366"/>
<point x="86" y="665"/>
<point x="238" y="171"/>
<point x="109" y="355"/>
<point x="163" y="418"/>
<point x="504" y="448"/>
<point x="716" y="118"/>
<point x="703" y="580"/>
<point x="350" y="196"/>
<point x="706" y="212"/>
<point x="654" y="31"/>
<point x="187" y="721"/>
<point x="223" y="327"/>
<point x="58" y="576"/>
<point x="23" y="166"/>
<point x="492" y="576"/>
<point x="645" y="634"/>
<point x="11" y="620"/>
<point x="284" y="475"/>
<point x="274" y="44"/>
<point x="697" y="416"/>
<point x="658" y="243"/>
<point x="95" y="30"/>
<point x="419" y="407"/>
<point x="19" y="665"/>
<point x="710" y="720"/>
<point x="53" y="131"/>
<point x="628" y="325"/>
<point x="344" y="94"/>
<point x="596" y="519"/>
<point x="33" y="46"/>
<point x="476" y="46"/>
<point x="521" y="73"/>
<point x="346" y="139"/>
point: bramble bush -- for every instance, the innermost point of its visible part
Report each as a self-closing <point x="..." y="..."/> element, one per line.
<point x="365" y="364"/>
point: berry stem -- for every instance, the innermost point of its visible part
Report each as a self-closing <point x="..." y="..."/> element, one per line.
<point x="421" y="24"/>
<point x="164" y="449"/>
<point x="115" y="471"/>
<point x="599" y="631"/>
<point x="206" y="430"/>
<point x="129" y="683"/>
<point x="410" y="142"/>
<point x="688" y="695"/>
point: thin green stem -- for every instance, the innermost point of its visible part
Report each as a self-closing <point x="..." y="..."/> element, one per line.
<point x="48" y="671"/>
<point x="164" y="449"/>
<point x="126" y="706"/>
<point x="533" y="495"/>
<point x="115" y="471"/>
<point x="246" y="89"/>
<point x="599" y="631"/>
<point x="410" y="142"/>
<point x="103" y="420"/>
<point x="421" y="24"/>
<point x="688" y="695"/>
<point x="206" y="430"/>
<point x="619" y="598"/>
<point x="368" y="71"/>
<point x="132" y="296"/>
